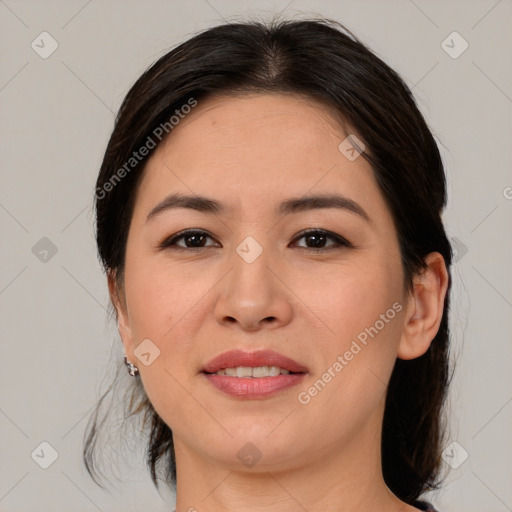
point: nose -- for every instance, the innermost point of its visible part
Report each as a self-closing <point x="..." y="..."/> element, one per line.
<point x="254" y="294"/>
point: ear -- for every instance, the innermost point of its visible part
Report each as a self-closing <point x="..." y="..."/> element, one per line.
<point x="424" y="309"/>
<point x="119" y="303"/>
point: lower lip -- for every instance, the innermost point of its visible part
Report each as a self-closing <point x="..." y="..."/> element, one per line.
<point x="251" y="387"/>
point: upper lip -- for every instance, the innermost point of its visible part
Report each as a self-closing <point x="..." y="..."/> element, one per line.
<point x="234" y="358"/>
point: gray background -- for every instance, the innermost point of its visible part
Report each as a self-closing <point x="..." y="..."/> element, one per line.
<point x="58" y="348"/>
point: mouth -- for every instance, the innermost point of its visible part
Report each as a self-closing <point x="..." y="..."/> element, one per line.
<point x="253" y="374"/>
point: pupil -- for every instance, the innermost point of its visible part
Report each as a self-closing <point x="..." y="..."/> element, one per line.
<point x="195" y="237"/>
<point x="317" y="240"/>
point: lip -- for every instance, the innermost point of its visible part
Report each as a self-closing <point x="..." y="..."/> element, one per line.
<point x="249" y="387"/>
<point x="235" y="358"/>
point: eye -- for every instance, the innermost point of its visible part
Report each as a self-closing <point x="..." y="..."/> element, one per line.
<point x="318" y="238"/>
<point x="193" y="238"/>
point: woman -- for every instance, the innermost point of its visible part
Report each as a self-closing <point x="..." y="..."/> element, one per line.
<point x="269" y="220"/>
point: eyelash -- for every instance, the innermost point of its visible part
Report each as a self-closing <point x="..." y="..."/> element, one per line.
<point x="169" y="243"/>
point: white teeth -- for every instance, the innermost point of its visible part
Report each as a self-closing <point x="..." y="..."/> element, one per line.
<point x="243" y="371"/>
<point x="260" y="371"/>
<point x="248" y="371"/>
<point x="273" y="371"/>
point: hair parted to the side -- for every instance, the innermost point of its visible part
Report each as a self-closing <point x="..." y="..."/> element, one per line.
<point x="322" y="60"/>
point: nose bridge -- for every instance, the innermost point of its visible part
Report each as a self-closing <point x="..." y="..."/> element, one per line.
<point x="250" y="273"/>
<point x="252" y="292"/>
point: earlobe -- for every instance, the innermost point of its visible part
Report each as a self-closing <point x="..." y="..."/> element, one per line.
<point x="425" y="308"/>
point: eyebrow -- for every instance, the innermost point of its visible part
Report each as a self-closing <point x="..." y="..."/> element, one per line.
<point x="293" y="205"/>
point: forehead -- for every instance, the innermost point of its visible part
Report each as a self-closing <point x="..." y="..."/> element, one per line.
<point x="253" y="147"/>
<point x="227" y="118"/>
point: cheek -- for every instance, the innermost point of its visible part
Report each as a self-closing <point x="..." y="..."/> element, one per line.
<point x="361" y="306"/>
<point x="150" y="300"/>
<point x="347" y="298"/>
<point x="163" y="307"/>
<point x="168" y="305"/>
<point x="156" y="295"/>
<point x="356" y="303"/>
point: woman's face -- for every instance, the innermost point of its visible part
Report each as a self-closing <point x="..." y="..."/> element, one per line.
<point x="251" y="281"/>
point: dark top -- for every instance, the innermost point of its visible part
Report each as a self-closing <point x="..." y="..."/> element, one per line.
<point x="425" y="505"/>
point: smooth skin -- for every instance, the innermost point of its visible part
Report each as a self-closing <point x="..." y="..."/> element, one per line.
<point x="199" y="298"/>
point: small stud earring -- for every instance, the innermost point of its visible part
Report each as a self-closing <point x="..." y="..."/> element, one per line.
<point x="132" y="369"/>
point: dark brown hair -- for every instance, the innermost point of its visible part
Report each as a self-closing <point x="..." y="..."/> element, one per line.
<point x="322" y="60"/>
